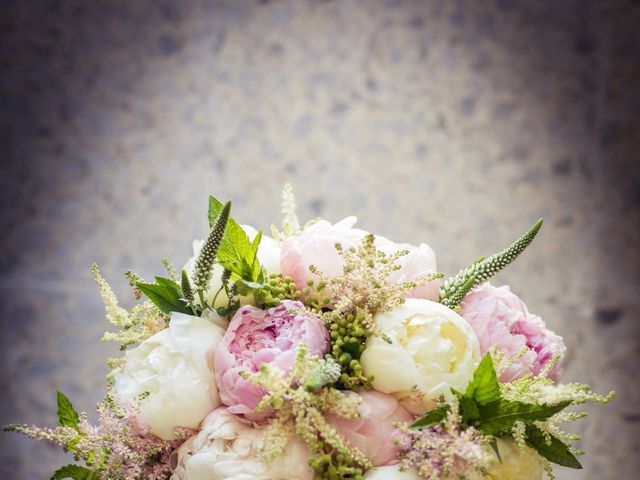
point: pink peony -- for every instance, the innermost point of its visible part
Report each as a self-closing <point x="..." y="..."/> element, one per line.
<point x="501" y="320"/>
<point x="374" y="433"/>
<point x="256" y="337"/>
<point x="316" y="246"/>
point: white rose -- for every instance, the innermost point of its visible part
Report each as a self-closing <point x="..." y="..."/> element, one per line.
<point x="432" y="349"/>
<point x="175" y="368"/>
<point x="268" y="256"/>
<point x="391" y="472"/>
<point x="516" y="463"/>
<point x="229" y="448"/>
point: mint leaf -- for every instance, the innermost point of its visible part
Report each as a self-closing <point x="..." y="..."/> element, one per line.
<point x="432" y="417"/>
<point x="236" y="252"/>
<point x="215" y="207"/>
<point x="469" y="410"/>
<point x="555" y="450"/>
<point x="166" y="297"/>
<point x="169" y="284"/>
<point x="499" y="417"/>
<point x="482" y="407"/>
<point x="484" y="388"/>
<point x="67" y="415"/>
<point x="74" y="472"/>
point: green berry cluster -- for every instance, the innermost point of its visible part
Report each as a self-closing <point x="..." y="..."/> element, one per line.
<point x="348" y="337"/>
<point x="335" y="466"/>
<point x="276" y="289"/>
<point x="315" y="295"/>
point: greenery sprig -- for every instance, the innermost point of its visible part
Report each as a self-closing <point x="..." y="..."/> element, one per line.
<point x="185" y="286"/>
<point x="455" y="288"/>
<point x="486" y="407"/>
<point x="207" y="257"/>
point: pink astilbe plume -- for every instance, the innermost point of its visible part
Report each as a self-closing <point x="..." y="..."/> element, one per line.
<point x="119" y="446"/>
<point x="446" y="452"/>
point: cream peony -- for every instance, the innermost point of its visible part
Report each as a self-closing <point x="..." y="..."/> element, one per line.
<point x="174" y="367"/>
<point x="516" y="464"/>
<point x="228" y="448"/>
<point x="432" y="349"/>
<point x="392" y="472"/>
<point x="268" y="256"/>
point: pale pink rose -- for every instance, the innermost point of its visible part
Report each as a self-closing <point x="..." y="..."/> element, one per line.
<point x="374" y="433"/>
<point x="316" y="246"/>
<point x="257" y="337"/>
<point x="502" y="321"/>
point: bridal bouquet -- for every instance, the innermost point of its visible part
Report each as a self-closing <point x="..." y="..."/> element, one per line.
<point x="323" y="352"/>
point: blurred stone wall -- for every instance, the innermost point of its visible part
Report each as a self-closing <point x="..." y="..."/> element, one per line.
<point x="456" y="123"/>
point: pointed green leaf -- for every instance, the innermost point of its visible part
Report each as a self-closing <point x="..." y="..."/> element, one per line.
<point x="499" y="417"/>
<point x="74" y="472"/>
<point x="245" y="287"/>
<point x="168" y="283"/>
<point x="484" y="388"/>
<point x="215" y="207"/>
<point x="167" y="299"/>
<point x="432" y="417"/>
<point x="237" y="253"/>
<point x="551" y="448"/>
<point x="469" y="409"/>
<point x="494" y="445"/>
<point x="67" y="415"/>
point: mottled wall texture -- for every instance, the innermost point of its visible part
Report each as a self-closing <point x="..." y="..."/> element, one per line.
<point x="457" y="123"/>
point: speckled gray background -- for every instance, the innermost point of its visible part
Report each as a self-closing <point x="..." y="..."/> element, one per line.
<point x="456" y="123"/>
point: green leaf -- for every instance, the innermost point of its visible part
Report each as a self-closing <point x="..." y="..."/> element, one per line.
<point x="236" y="252"/>
<point x="245" y="286"/>
<point x="499" y="417"/>
<point x="165" y="297"/>
<point x="67" y="415"/>
<point x="74" y="472"/>
<point x="484" y="388"/>
<point x="215" y="207"/>
<point x="168" y="283"/>
<point x="551" y="448"/>
<point x="483" y="407"/>
<point x="432" y="417"/>
<point x="494" y="445"/>
<point x="469" y="410"/>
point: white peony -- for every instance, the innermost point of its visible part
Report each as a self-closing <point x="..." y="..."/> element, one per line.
<point x="391" y="472"/>
<point x="229" y="448"/>
<point x="268" y="256"/>
<point x="432" y="349"/>
<point x="516" y="463"/>
<point x="175" y="368"/>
